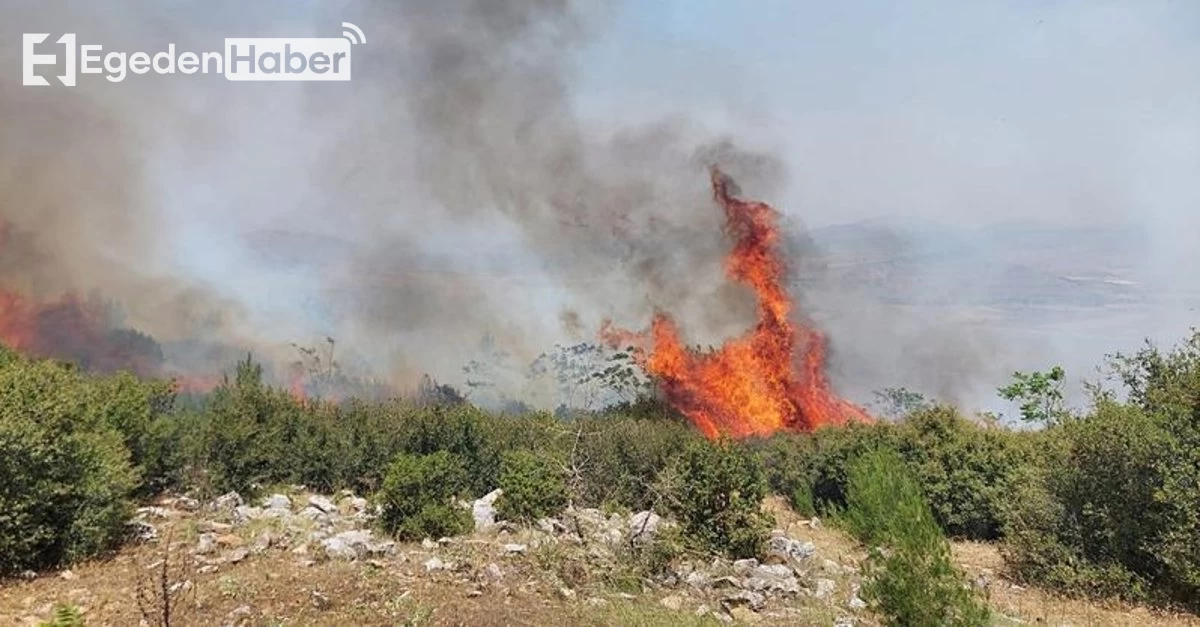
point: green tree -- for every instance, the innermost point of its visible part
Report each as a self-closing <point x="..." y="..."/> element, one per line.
<point x="1039" y="393"/>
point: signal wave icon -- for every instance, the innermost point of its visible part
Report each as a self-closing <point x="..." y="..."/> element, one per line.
<point x="353" y="33"/>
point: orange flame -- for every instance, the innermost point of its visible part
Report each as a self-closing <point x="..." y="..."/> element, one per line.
<point x="768" y="380"/>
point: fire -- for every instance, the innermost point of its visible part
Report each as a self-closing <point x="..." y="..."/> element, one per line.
<point x="770" y="379"/>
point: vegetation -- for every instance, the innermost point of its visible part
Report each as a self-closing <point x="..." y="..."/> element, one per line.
<point x="910" y="577"/>
<point x="716" y="491"/>
<point x="1103" y="501"/>
<point x="533" y="487"/>
<point x="418" y="495"/>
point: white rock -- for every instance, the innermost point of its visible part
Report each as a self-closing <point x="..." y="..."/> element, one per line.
<point x="206" y="544"/>
<point x="824" y="588"/>
<point x="227" y="501"/>
<point x="434" y="564"/>
<point x="322" y="503"/>
<point x="857" y="603"/>
<point x="746" y="564"/>
<point x="483" y="510"/>
<point x="339" y="548"/>
<point x="515" y="548"/>
<point x="788" y="548"/>
<point x="644" y="525"/>
<point x="428" y="544"/>
<point x="278" y="501"/>
<point x="246" y="513"/>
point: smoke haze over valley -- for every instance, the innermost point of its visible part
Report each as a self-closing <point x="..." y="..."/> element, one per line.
<point x="966" y="191"/>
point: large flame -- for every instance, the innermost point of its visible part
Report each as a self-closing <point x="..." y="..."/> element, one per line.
<point x="768" y="380"/>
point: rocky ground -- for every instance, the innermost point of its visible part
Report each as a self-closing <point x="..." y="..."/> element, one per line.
<point x="302" y="558"/>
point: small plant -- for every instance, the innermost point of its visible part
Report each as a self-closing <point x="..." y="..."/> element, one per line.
<point x="911" y="579"/>
<point x="716" y="492"/>
<point x="533" y="487"/>
<point x="164" y="587"/>
<point x="417" y="496"/>
<point x="65" y="615"/>
<point x="1039" y="393"/>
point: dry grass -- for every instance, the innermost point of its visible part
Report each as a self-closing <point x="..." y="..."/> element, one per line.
<point x="278" y="589"/>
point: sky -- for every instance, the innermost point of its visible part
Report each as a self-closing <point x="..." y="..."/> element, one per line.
<point x="959" y="112"/>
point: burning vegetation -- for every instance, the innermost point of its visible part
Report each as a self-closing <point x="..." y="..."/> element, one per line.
<point x="768" y="380"/>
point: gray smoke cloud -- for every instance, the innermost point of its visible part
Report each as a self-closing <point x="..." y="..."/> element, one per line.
<point x="482" y="175"/>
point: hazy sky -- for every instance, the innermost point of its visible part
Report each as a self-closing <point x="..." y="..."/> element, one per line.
<point x="963" y="112"/>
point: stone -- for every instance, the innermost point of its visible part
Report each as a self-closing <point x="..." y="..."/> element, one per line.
<point x="644" y="525"/>
<point x="824" y="588"/>
<point x="788" y="548"/>
<point x="338" y="548"/>
<point x="566" y="593"/>
<point x="263" y="542"/>
<point x="142" y="531"/>
<point x="857" y="603"/>
<point x="152" y="512"/>
<point x="596" y="602"/>
<point x="428" y="544"/>
<point x="831" y="567"/>
<point x="845" y="621"/>
<point x="773" y="578"/>
<point x="746" y="564"/>
<point x="240" y="611"/>
<point x="434" y="564"/>
<point x="68" y="575"/>
<point x="387" y="547"/>
<point x="483" y="510"/>
<point x="186" y="504"/>
<point x="745" y="598"/>
<point x="698" y="579"/>
<point x="314" y="514"/>
<point x="206" y="544"/>
<point x="493" y="572"/>
<point x="322" y="503"/>
<point x="227" y="501"/>
<point x="550" y="526"/>
<point x="237" y="555"/>
<point x="515" y="549"/>
<point x="278" y="501"/>
<point x="246" y="513"/>
<point x="673" y="602"/>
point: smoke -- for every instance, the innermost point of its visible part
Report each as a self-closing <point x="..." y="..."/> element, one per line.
<point x="522" y="170"/>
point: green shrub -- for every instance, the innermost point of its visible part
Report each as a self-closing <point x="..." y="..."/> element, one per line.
<point x="964" y="469"/>
<point x="418" y="493"/>
<point x="533" y="487"/>
<point x="1096" y="518"/>
<point x="65" y="476"/>
<point x="621" y="453"/>
<point x="910" y="578"/>
<point x="715" y="492"/>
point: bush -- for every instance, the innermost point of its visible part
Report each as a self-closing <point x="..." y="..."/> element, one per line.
<point x="65" y="476"/>
<point x="964" y="469"/>
<point x="716" y="492"/>
<point x="1093" y="519"/>
<point x="910" y="578"/>
<point x="418" y="493"/>
<point x="621" y="453"/>
<point x="533" y="487"/>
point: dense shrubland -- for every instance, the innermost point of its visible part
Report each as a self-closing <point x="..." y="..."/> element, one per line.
<point x="1102" y="502"/>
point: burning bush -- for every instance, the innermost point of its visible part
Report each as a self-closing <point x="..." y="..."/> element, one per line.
<point x="771" y="379"/>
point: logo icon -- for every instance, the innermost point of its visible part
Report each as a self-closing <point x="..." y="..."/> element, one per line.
<point x="242" y="59"/>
